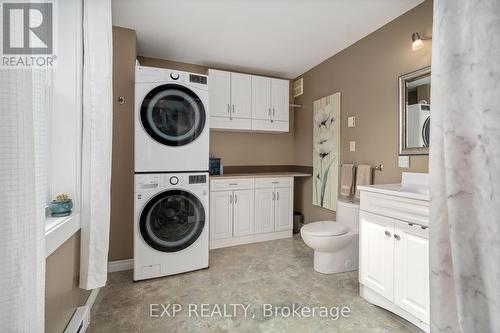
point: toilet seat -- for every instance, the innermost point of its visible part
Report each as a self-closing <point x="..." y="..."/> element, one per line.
<point x="325" y="229"/>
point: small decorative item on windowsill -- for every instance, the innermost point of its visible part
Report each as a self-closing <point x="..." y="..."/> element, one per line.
<point x="61" y="205"/>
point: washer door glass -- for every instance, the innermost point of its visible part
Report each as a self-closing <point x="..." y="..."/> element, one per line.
<point x="173" y="115"/>
<point x="172" y="220"/>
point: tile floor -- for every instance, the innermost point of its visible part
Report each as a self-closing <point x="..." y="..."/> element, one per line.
<point x="279" y="273"/>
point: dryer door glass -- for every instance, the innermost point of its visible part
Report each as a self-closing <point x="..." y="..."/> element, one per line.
<point x="173" y="115"/>
<point x="172" y="220"/>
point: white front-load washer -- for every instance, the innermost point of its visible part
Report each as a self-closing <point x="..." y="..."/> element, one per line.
<point x="171" y="224"/>
<point x="171" y="121"/>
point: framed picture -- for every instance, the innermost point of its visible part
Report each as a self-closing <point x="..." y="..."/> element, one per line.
<point x="326" y="149"/>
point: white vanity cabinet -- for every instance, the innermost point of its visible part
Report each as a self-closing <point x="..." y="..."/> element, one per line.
<point x="394" y="254"/>
<point x="247" y="210"/>
<point x="243" y="102"/>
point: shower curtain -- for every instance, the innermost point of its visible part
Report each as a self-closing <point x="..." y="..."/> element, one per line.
<point x="97" y="139"/>
<point x="23" y="179"/>
<point x="465" y="167"/>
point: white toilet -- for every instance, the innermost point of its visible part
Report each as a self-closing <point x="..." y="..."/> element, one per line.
<point x="335" y="244"/>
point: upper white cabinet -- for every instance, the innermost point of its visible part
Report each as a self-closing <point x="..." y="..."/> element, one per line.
<point x="219" y="93"/>
<point x="230" y="100"/>
<point x="261" y="97"/>
<point x="243" y="102"/>
<point x="270" y="104"/>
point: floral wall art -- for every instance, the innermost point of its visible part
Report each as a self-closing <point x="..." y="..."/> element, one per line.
<point x="326" y="141"/>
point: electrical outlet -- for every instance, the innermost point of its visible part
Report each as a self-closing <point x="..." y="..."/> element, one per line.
<point x="351" y="121"/>
<point x="404" y="161"/>
<point x="352" y="145"/>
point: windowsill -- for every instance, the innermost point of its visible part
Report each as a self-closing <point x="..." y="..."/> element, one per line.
<point x="58" y="230"/>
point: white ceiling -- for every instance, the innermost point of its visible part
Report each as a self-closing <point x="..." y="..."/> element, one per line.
<point x="281" y="38"/>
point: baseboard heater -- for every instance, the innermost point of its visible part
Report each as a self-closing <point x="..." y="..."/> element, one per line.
<point x="80" y="320"/>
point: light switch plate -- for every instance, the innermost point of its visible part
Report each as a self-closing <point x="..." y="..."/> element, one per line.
<point x="351" y="121"/>
<point x="404" y="161"/>
<point x="352" y="145"/>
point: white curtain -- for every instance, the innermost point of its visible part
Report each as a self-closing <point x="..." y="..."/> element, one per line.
<point x="23" y="158"/>
<point x="97" y="138"/>
<point x="465" y="167"/>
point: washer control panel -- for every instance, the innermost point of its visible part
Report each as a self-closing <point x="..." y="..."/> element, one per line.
<point x="174" y="180"/>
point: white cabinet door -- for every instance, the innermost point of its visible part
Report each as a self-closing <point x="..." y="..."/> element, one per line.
<point x="221" y="214"/>
<point x="280" y="99"/>
<point x="411" y="264"/>
<point x="376" y="269"/>
<point x="241" y="95"/>
<point x="243" y="212"/>
<point x="283" y="215"/>
<point x="264" y="210"/>
<point x="219" y="93"/>
<point x="261" y="97"/>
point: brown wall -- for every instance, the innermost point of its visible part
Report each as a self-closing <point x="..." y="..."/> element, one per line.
<point x="366" y="74"/>
<point x="62" y="294"/>
<point x="122" y="174"/>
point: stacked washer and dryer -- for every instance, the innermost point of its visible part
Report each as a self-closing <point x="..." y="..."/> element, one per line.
<point x="171" y="172"/>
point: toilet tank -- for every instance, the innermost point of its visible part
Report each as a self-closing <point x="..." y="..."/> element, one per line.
<point x="348" y="214"/>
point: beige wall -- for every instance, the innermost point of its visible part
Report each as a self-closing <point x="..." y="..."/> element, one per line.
<point x="62" y="295"/>
<point x="122" y="175"/>
<point x="239" y="148"/>
<point x="366" y="74"/>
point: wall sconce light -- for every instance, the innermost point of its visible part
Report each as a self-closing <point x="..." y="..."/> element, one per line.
<point x="417" y="41"/>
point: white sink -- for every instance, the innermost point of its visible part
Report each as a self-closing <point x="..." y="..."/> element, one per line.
<point x="413" y="185"/>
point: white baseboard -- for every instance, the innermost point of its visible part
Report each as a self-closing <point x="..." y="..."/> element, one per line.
<point x="255" y="238"/>
<point x="120" y="265"/>
<point x="91" y="299"/>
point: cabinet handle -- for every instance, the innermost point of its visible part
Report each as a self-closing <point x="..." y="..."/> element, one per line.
<point x="235" y="198"/>
<point x="228" y="108"/>
<point x="233" y="184"/>
<point x="277" y="195"/>
<point x="121" y="100"/>
<point x="387" y="233"/>
<point x="233" y="108"/>
<point x="274" y="112"/>
<point x="269" y="112"/>
<point x="423" y="227"/>
<point x="410" y="224"/>
<point x="397" y="237"/>
<point x="273" y="195"/>
<point x="230" y="198"/>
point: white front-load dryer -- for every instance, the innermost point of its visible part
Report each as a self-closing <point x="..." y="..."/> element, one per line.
<point x="170" y="224"/>
<point x="171" y="121"/>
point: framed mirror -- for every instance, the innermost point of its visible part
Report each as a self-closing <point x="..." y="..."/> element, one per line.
<point x="415" y="112"/>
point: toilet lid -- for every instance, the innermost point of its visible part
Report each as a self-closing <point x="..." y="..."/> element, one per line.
<point x="325" y="228"/>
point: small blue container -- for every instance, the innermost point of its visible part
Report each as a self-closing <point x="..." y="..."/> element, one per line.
<point x="60" y="208"/>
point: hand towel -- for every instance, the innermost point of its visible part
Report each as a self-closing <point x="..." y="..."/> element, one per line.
<point x="346" y="179"/>
<point x="363" y="176"/>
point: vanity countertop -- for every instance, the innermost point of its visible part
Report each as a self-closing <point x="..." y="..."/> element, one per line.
<point x="261" y="175"/>
<point x="412" y="191"/>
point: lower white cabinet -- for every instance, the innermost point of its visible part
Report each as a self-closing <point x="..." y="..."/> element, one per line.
<point x="377" y="253"/>
<point x="250" y="210"/>
<point x="243" y="218"/>
<point x="394" y="261"/>
<point x="264" y="210"/>
<point x="231" y="213"/>
<point x="411" y="270"/>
